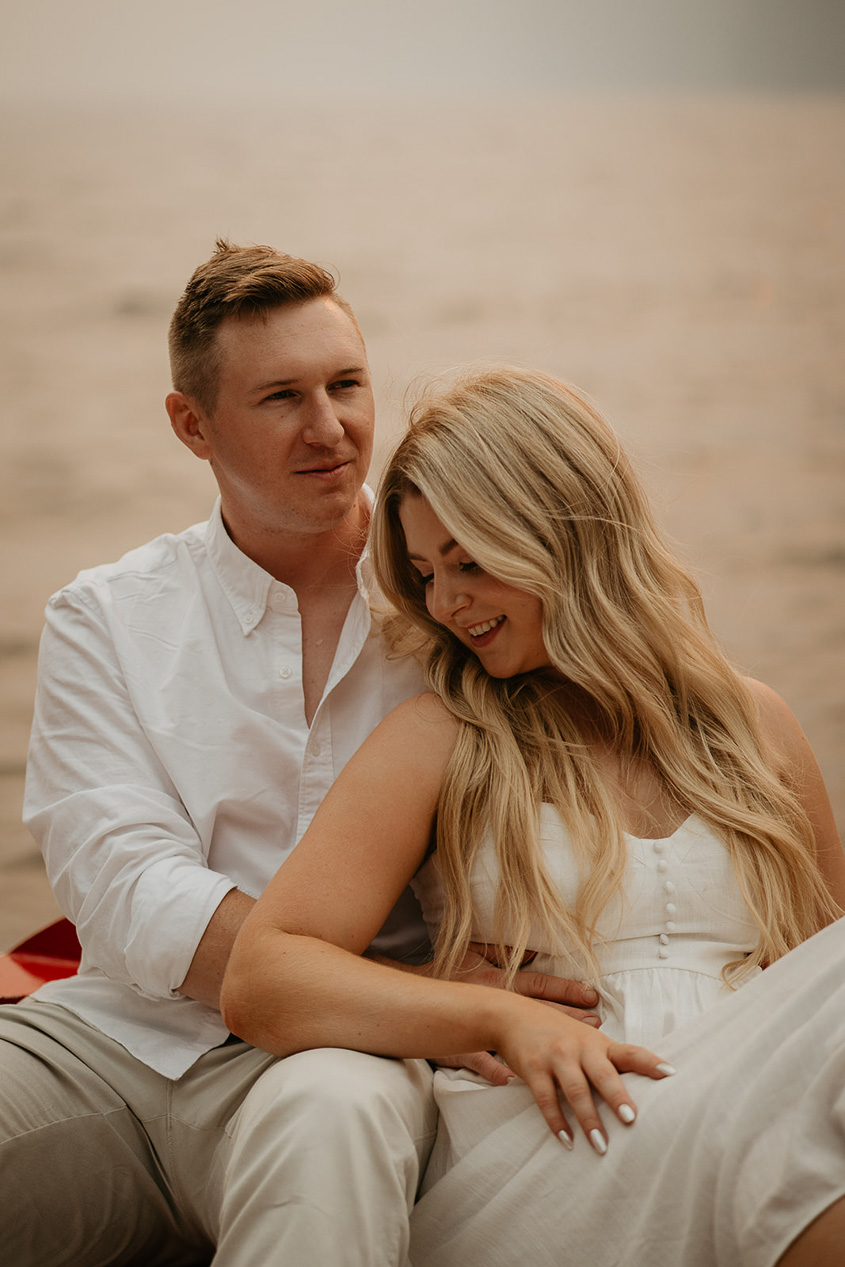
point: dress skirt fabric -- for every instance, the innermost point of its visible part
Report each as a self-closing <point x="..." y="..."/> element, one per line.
<point x="727" y="1162"/>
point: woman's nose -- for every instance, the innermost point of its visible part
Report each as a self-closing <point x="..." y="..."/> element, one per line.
<point x="445" y="599"/>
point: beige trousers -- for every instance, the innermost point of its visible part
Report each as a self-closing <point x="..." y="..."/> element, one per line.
<point x="311" y="1161"/>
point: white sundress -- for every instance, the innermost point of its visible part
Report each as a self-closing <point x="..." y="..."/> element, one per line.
<point x="729" y="1159"/>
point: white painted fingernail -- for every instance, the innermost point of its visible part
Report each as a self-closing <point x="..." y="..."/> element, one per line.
<point x="668" y="1070"/>
<point x="566" y="1140"/>
<point x="625" y="1114"/>
<point x="598" y="1142"/>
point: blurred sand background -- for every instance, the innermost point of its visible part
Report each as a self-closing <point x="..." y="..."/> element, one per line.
<point x="656" y="213"/>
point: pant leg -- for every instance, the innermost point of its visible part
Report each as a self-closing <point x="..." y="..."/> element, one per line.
<point x="82" y="1180"/>
<point x="323" y="1162"/>
<point x="311" y="1160"/>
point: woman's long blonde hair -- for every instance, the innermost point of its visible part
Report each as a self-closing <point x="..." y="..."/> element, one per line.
<point x="531" y="481"/>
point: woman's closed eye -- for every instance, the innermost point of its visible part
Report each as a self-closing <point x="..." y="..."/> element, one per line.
<point x="469" y="568"/>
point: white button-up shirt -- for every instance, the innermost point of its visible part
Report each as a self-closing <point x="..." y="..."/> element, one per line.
<point x="171" y="762"/>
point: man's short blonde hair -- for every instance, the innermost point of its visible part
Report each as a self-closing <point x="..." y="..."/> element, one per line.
<point x="237" y="281"/>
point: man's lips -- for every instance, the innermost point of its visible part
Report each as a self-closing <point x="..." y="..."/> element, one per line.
<point x="326" y="468"/>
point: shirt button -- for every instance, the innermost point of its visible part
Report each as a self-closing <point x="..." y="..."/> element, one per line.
<point x="316" y="750"/>
<point x="285" y="671"/>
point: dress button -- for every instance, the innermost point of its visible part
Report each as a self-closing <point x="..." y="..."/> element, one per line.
<point x="662" y="866"/>
<point x="670" y="925"/>
<point x="663" y="939"/>
<point x="657" y="846"/>
<point x="670" y="908"/>
<point x="662" y="952"/>
<point x="668" y="887"/>
<point x="285" y="671"/>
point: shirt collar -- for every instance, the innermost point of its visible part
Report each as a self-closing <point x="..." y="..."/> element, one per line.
<point x="246" y="585"/>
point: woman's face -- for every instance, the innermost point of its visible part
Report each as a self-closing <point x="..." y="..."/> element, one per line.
<point x="501" y="624"/>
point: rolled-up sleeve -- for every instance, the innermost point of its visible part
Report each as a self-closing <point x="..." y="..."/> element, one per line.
<point x="171" y="761"/>
<point x="126" y="862"/>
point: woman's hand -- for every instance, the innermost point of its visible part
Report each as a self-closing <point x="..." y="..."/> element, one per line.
<point x="479" y="967"/>
<point x="560" y="1058"/>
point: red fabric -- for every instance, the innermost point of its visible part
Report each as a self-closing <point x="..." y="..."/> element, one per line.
<point x="51" y="953"/>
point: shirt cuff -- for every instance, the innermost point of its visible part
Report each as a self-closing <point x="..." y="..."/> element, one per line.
<point x="173" y="903"/>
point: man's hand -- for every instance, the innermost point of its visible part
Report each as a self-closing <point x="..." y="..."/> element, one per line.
<point x="479" y="968"/>
<point x="483" y="1062"/>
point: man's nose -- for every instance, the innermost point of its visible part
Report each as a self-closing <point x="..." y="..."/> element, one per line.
<point x="322" y="425"/>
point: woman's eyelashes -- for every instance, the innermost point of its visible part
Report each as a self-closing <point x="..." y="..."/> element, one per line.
<point x="466" y="568"/>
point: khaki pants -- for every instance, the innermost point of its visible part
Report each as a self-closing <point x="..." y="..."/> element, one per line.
<point x="311" y="1161"/>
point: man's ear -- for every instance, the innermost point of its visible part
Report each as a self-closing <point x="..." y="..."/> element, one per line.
<point x="189" y="424"/>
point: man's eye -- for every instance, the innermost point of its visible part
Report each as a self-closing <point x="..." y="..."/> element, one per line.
<point x="283" y="394"/>
<point x="345" y="383"/>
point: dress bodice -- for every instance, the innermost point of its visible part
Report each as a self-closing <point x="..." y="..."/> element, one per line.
<point x="678" y="920"/>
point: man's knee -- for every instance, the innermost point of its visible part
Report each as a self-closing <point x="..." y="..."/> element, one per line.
<point x="326" y="1157"/>
<point x="349" y="1101"/>
<point x="331" y="1081"/>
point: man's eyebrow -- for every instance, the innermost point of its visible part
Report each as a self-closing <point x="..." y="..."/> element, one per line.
<point x="290" y="382"/>
<point x="443" y="550"/>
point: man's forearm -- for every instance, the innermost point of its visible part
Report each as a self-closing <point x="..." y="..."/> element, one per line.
<point x="205" y="975"/>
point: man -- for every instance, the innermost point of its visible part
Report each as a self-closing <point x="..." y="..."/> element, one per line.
<point x="195" y="701"/>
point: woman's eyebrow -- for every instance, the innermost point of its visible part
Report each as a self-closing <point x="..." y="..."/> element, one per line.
<point x="443" y="550"/>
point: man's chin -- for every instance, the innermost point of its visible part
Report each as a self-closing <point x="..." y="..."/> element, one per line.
<point x="331" y="511"/>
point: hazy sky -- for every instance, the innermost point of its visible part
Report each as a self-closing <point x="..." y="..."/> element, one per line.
<point x="218" y="49"/>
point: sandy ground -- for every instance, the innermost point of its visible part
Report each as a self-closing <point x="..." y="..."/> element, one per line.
<point x="682" y="260"/>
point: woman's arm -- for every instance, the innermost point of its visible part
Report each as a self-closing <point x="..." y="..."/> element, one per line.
<point x="333" y="892"/>
<point x="296" y="978"/>
<point x="801" y="771"/>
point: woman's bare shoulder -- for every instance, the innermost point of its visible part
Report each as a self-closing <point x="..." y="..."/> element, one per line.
<point x="430" y="709"/>
<point x="780" y="727"/>
<point x="425" y="715"/>
<point x="773" y="711"/>
<point x="800" y="771"/>
<point x="421" y="726"/>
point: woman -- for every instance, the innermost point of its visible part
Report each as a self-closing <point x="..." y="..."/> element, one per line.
<point x="589" y="782"/>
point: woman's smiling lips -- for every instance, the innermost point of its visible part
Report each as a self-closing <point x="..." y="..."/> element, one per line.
<point x="484" y="633"/>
